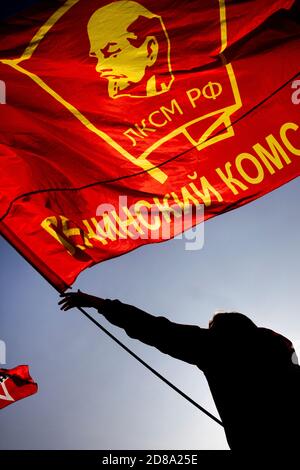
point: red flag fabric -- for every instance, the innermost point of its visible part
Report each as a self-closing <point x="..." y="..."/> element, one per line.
<point x="120" y="114"/>
<point x="15" y="384"/>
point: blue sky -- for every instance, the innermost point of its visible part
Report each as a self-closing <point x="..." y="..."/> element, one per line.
<point x="92" y="394"/>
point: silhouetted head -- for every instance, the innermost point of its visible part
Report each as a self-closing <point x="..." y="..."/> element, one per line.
<point x="232" y="322"/>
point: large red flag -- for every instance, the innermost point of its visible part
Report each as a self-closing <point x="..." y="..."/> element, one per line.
<point x="15" y="384"/>
<point x="119" y="108"/>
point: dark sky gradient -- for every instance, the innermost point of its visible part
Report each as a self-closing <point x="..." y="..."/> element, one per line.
<point x="16" y="6"/>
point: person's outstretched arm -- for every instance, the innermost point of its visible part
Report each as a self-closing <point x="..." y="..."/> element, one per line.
<point x="186" y="342"/>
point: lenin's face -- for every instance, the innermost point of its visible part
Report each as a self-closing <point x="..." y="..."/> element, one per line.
<point x="119" y="61"/>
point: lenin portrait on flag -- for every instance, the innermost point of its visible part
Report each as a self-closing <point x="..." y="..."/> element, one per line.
<point x="132" y="49"/>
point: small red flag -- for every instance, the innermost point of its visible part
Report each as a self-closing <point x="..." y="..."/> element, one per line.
<point x="15" y="384"/>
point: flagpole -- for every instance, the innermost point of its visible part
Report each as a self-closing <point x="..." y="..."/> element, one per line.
<point x="145" y="364"/>
<point x="116" y="340"/>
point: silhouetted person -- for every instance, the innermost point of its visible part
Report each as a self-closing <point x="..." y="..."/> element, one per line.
<point x="252" y="376"/>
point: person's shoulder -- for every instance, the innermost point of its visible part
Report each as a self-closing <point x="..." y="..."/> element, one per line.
<point x="268" y="333"/>
<point x="276" y="343"/>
